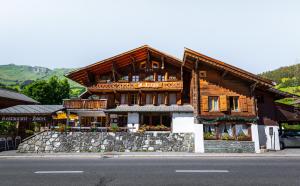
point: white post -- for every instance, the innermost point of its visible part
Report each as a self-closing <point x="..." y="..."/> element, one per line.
<point x="255" y="137"/>
<point x="199" y="138"/>
<point x="272" y="137"/>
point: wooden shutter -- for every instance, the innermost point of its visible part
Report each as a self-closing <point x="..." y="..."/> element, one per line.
<point x="204" y="103"/>
<point x="143" y="98"/>
<point x="223" y="103"/>
<point x="243" y="104"/>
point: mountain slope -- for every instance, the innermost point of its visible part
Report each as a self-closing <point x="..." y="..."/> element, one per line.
<point x="17" y="76"/>
<point x="287" y="78"/>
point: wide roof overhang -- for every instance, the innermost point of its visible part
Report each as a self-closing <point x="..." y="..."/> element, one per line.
<point x="287" y="113"/>
<point x="136" y="55"/>
<point x="30" y="110"/>
<point x="190" y="57"/>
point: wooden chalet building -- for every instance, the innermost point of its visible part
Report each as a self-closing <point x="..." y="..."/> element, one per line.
<point x="148" y="89"/>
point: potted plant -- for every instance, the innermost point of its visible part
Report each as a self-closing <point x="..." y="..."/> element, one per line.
<point x="210" y="136"/>
<point x="243" y="137"/>
<point x="114" y="128"/>
<point x="226" y="136"/>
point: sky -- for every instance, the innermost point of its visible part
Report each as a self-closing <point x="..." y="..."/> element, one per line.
<point x="256" y="35"/>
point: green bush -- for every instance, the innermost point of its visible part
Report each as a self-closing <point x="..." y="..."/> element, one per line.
<point x="7" y="128"/>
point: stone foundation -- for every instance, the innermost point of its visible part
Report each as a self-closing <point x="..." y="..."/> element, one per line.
<point x="223" y="146"/>
<point x="109" y="142"/>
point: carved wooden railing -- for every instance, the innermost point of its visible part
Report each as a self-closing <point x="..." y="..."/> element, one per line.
<point x="166" y="85"/>
<point x="85" y="104"/>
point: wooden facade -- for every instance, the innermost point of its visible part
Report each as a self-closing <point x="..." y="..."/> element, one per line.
<point x="138" y="77"/>
<point x="146" y="76"/>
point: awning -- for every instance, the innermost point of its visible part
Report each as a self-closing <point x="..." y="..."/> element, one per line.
<point x="31" y="110"/>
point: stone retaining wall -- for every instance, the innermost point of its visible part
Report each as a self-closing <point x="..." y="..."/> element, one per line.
<point x="229" y="146"/>
<point x="108" y="142"/>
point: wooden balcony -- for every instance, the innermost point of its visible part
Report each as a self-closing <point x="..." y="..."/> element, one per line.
<point x="85" y="104"/>
<point x="145" y="85"/>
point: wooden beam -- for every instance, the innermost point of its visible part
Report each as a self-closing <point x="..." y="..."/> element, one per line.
<point x="113" y="71"/>
<point x="148" y="61"/>
<point x="253" y="86"/>
<point x="133" y="61"/>
<point x="197" y="87"/>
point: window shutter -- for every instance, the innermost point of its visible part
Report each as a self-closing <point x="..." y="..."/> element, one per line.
<point x="204" y="102"/>
<point x="243" y="104"/>
<point x="143" y="99"/>
<point x="223" y="103"/>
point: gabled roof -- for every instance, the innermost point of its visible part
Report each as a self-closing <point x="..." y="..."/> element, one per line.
<point x="16" y="96"/>
<point x="191" y="56"/>
<point x="31" y="110"/>
<point x="121" y="60"/>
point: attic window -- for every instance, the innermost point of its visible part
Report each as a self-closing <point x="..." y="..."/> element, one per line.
<point x="155" y="65"/>
<point x="202" y="74"/>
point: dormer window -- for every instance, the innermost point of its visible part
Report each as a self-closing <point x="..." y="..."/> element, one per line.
<point x="155" y="65"/>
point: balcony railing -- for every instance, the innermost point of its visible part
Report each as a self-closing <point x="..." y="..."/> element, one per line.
<point x="85" y="104"/>
<point x="164" y="85"/>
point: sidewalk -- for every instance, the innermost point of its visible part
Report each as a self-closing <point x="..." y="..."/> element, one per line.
<point x="14" y="154"/>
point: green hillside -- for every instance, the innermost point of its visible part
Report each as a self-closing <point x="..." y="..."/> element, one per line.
<point x="17" y="76"/>
<point x="287" y="78"/>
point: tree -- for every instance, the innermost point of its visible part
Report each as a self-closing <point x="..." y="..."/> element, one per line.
<point x="48" y="92"/>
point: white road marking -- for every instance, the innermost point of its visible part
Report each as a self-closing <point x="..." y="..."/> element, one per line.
<point x="58" y="172"/>
<point x="202" y="171"/>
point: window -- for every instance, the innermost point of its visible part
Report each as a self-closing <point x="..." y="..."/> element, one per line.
<point x="213" y="102"/>
<point x="160" y="99"/>
<point x="226" y="132"/>
<point x="149" y="78"/>
<point x="172" y="99"/>
<point x="210" y="132"/>
<point x="234" y="103"/>
<point x="160" y="78"/>
<point x="133" y="99"/>
<point x="135" y="78"/>
<point x="124" y="99"/>
<point x="125" y="78"/>
<point x="149" y="99"/>
<point x="155" y="65"/>
<point x="242" y="132"/>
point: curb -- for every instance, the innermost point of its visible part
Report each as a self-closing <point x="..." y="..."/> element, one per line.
<point x="103" y="156"/>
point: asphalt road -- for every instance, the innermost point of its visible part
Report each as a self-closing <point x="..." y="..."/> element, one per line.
<point x="155" y="171"/>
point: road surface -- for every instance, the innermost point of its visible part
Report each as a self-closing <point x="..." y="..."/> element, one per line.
<point x="154" y="171"/>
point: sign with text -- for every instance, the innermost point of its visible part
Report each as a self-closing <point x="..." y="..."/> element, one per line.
<point x="24" y="118"/>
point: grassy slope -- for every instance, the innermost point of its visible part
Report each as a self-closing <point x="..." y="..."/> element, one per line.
<point x="14" y="75"/>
